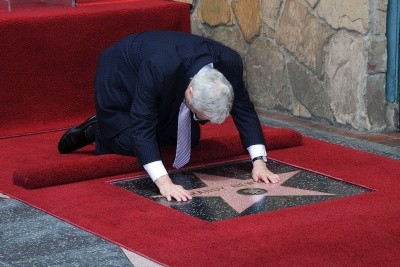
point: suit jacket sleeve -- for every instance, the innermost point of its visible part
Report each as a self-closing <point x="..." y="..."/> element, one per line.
<point x="144" y="112"/>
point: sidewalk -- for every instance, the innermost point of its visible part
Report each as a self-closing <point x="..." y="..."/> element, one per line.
<point x="385" y="144"/>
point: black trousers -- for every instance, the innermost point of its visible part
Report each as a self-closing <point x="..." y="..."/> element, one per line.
<point x="122" y="143"/>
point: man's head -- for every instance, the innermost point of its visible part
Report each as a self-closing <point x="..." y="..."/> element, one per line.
<point x="210" y="95"/>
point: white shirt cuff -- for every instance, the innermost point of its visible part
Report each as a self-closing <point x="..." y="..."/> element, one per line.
<point x="155" y="169"/>
<point x="256" y="151"/>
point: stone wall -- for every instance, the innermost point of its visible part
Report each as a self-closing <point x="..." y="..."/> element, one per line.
<point x="318" y="59"/>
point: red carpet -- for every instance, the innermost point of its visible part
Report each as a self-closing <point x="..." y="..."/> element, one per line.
<point x="362" y="230"/>
<point x="49" y="55"/>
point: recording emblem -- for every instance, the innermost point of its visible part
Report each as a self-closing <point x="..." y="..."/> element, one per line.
<point x="252" y="191"/>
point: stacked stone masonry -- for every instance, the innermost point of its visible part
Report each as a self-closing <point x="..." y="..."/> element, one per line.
<point x="319" y="59"/>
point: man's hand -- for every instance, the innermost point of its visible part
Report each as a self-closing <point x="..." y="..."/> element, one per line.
<point x="261" y="172"/>
<point x="170" y="190"/>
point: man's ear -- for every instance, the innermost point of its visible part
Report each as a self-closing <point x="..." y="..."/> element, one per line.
<point x="190" y="90"/>
<point x="188" y="94"/>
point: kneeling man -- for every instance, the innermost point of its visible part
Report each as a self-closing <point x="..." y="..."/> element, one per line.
<point x="155" y="88"/>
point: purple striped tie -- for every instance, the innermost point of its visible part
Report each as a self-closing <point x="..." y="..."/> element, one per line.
<point x="183" y="143"/>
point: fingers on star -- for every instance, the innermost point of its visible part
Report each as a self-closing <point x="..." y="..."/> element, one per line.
<point x="274" y="178"/>
<point x="181" y="195"/>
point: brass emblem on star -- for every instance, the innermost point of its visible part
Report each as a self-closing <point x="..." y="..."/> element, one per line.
<point x="252" y="191"/>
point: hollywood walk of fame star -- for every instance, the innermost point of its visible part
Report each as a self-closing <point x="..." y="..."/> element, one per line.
<point x="227" y="191"/>
<point x="233" y="191"/>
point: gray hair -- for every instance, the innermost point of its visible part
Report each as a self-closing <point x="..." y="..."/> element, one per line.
<point x="212" y="94"/>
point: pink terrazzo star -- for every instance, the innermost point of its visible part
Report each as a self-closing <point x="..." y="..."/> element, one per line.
<point x="250" y="192"/>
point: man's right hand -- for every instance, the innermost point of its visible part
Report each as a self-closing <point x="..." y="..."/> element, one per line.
<point x="170" y="190"/>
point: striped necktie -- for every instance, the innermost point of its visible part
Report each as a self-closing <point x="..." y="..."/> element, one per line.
<point x="183" y="143"/>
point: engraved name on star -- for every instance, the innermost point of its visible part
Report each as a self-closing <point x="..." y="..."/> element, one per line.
<point x="229" y="190"/>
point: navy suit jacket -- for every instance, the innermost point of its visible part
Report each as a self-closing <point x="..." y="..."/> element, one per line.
<point x="141" y="80"/>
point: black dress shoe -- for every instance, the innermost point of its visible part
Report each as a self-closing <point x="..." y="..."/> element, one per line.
<point x="78" y="136"/>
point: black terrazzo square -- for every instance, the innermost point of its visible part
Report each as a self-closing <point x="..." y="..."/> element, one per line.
<point x="227" y="191"/>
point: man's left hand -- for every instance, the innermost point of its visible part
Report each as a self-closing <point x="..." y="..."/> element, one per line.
<point x="261" y="173"/>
